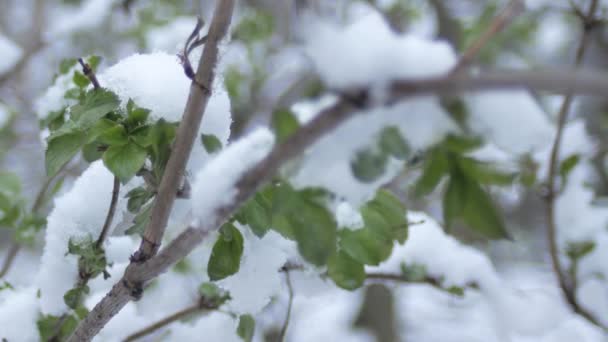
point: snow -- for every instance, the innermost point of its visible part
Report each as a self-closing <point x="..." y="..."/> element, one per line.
<point x="53" y="98"/>
<point x="375" y="52"/>
<point x="21" y="304"/>
<point x="88" y="16"/>
<point x="510" y="119"/>
<point x="348" y="217"/>
<point x="138" y="77"/>
<point x="214" y="183"/>
<point x="259" y="269"/>
<point x="9" y="55"/>
<point x="217" y="326"/>
<point x="171" y="37"/>
<point x="73" y="217"/>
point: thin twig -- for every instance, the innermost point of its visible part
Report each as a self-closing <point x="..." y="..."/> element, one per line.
<point x="110" y="216"/>
<point x="289" y="305"/>
<point x="568" y="287"/>
<point x="432" y="281"/>
<point x="506" y="16"/>
<point x="181" y="314"/>
<point x="88" y="72"/>
<point x="137" y="274"/>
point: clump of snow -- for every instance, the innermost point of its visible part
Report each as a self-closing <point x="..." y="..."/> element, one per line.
<point x="217" y="326"/>
<point x="9" y="54"/>
<point x="214" y="183"/>
<point x="54" y="97"/>
<point x="20" y="304"/>
<point x="259" y="269"/>
<point x="171" y="37"/>
<point x="510" y="119"/>
<point x="73" y="217"/>
<point x="376" y="53"/>
<point x="157" y="82"/>
<point x="88" y="16"/>
<point x="348" y="217"/>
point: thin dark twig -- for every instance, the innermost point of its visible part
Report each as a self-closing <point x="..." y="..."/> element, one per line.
<point x="289" y="305"/>
<point x="110" y="215"/>
<point x="181" y="314"/>
<point x="506" y="16"/>
<point x="88" y="72"/>
<point x="568" y="287"/>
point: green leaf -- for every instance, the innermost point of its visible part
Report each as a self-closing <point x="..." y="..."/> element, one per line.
<point x="92" y="259"/>
<point x="345" y="271"/>
<point x="124" y="161"/>
<point x="481" y="214"/>
<point x="211" y="143"/>
<point x="233" y="79"/>
<point x="80" y="80"/>
<point x="314" y="229"/>
<point x="246" y="327"/>
<point x="114" y="136"/>
<point x="93" y="151"/>
<point x="56" y="328"/>
<point x="284" y="123"/>
<point x="368" y="165"/>
<point x="393" y="212"/>
<point x="484" y="173"/>
<point x="136" y="116"/>
<point x="435" y="167"/>
<point x="141" y="220"/>
<point x="461" y="144"/>
<point x="365" y="246"/>
<point x="257" y="216"/>
<point x="74" y="297"/>
<point x="66" y="64"/>
<point x="454" y="199"/>
<point x="61" y="150"/>
<point x="94" y="61"/>
<point x="97" y="103"/>
<point x="137" y="198"/>
<point x="392" y="143"/>
<point x="212" y="295"/>
<point x="567" y="165"/>
<point x="99" y="128"/>
<point x="577" y="250"/>
<point x="226" y="254"/>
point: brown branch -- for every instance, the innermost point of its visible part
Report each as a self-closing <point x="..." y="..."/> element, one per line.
<point x="432" y="281"/>
<point x="506" y="16"/>
<point x="289" y="305"/>
<point x="179" y="315"/>
<point x="138" y="274"/>
<point x="200" y="91"/>
<point x="10" y="257"/>
<point x="88" y="72"/>
<point x="567" y="286"/>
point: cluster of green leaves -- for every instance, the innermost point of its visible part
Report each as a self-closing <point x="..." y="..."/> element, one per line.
<point x="14" y="213"/>
<point x="91" y="262"/>
<point x="59" y="328"/>
<point x="302" y="216"/>
<point x="370" y="163"/>
<point x="465" y="195"/>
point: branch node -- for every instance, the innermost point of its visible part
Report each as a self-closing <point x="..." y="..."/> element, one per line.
<point x="136" y="289"/>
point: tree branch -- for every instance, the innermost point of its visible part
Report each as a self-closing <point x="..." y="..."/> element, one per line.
<point x="567" y="286"/>
<point x="138" y="274"/>
<point x="110" y="216"/>
<point x="506" y="16"/>
<point x="200" y="91"/>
